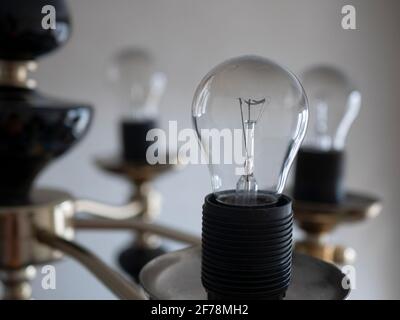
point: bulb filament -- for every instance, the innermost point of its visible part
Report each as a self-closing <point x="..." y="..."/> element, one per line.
<point x="251" y="111"/>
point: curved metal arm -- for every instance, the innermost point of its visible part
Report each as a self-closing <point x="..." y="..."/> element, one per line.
<point x="121" y="287"/>
<point x="137" y="226"/>
<point x="102" y="210"/>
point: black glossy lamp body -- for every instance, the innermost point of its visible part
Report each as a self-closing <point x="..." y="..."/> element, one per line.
<point x="34" y="129"/>
<point x="22" y="36"/>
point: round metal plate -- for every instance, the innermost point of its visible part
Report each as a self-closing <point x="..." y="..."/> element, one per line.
<point x="135" y="171"/>
<point x="176" y="276"/>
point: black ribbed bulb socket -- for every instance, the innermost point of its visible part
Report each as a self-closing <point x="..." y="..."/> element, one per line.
<point x="246" y="251"/>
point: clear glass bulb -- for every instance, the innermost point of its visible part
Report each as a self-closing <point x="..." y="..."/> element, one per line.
<point x="334" y="105"/>
<point x="260" y="112"/>
<point x="138" y="86"/>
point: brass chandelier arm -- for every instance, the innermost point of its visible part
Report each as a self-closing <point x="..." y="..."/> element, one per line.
<point x="102" y="210"/>
<point x="140" y="226"/>
<point x="121" y="287"/>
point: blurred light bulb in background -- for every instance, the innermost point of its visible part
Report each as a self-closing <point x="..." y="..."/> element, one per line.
<point x="268" y="106"/>
<point x="138" y="87"/>
<point x="334" y="105"/>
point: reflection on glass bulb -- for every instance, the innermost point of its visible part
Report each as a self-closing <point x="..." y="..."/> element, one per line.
<point x="268" y="105"/>
<point x="137" y="85"/>
<point x="334" y="105"/>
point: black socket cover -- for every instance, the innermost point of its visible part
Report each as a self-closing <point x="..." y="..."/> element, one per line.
<point x="319" y="176"/>
<point x="134" y="143"/>
<point x="221" y="257"/>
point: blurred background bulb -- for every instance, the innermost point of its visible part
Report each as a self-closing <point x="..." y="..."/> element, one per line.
<point x="137" y="85"/>
<point x="266" y="105"/>
<point x="334" y="105"/>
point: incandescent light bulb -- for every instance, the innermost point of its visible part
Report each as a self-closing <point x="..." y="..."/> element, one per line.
<point x="138" y="88"/>
<point x="334" y="105"/>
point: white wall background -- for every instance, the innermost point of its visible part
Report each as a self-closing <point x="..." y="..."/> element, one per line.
<point x="188" y="38"/>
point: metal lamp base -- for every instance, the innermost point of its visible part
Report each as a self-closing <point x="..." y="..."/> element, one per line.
<point x="176" y="276"/>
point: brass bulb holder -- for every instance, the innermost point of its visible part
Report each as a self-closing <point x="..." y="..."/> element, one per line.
<point x="319" y="220"/>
